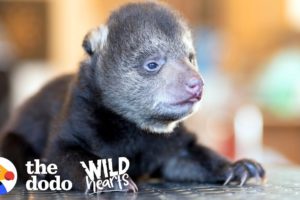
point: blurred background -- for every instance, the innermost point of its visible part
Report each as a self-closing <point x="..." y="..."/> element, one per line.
<point x="248" y="53"/>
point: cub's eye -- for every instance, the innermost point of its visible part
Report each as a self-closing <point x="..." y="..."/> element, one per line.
<point x="152" y="66"/>
<point x="192" y="58"/>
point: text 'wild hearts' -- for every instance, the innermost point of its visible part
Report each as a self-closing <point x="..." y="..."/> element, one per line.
<point x="102" y="176"/>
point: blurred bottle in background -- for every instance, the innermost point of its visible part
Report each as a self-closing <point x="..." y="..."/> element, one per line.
<point x="7" y="60"/>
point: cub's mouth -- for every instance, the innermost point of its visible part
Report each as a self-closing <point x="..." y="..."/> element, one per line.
<point x="190" y="100"/>
<point x="176" y="111"/>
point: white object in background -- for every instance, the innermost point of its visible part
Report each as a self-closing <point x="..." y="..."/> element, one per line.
<point x="248" y="128"/>
<point x="293" y="13"/>
<point x="27" y="79"/>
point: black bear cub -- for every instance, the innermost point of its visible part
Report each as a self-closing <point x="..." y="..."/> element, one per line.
<point x="140" y="80"/>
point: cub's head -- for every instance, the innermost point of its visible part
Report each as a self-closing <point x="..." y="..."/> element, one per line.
<point x="145" y="66"/>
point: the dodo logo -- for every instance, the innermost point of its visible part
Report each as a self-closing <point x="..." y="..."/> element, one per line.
<point x="8" y="176"/>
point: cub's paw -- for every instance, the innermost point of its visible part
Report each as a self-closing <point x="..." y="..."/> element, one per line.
<point x="243" y="170"/>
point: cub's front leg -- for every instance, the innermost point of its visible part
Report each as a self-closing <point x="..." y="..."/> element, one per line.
<point x="68" y="159"/>
<point x="200" y="164"/>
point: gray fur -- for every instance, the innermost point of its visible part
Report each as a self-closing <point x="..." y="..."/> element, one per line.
<point x="137" y="31"/>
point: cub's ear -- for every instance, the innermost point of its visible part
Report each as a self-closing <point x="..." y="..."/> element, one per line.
<point x="95" y="39"/>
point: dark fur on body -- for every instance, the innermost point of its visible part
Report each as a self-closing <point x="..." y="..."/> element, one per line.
<point x="89" y="131"/>
<point x="104" y="111"/>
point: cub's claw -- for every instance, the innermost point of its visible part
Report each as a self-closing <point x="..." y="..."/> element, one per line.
<point x="131" y="187"/>
<point x="229" y="178"/>
<point x="243" y="170"/>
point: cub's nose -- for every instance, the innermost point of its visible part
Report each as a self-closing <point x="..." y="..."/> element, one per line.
<point x="194" y="86"/>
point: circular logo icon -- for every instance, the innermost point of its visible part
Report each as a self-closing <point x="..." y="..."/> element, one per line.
<point x="8" y="176"/>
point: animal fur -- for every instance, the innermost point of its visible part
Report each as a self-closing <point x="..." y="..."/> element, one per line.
<point x="113" y="107"/>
